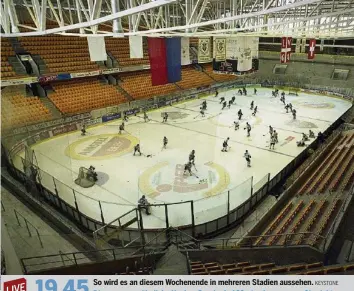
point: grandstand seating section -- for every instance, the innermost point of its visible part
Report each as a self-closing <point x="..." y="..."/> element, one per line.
<point x="119" y="48"/>
<point x="247" y="268"/>
<point x="61" y="54"/>
<point x="218" y="77"/>
<point x="191" y="78"/>
<point x="7" y="71"/>
<point x="80" y="95"/>
<point x="138" y="85"/>
<point x="18" y="110"/>
<point x="317" y="201"/>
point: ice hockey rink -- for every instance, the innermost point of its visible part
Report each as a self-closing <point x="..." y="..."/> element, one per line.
<point x="158" y="173"/>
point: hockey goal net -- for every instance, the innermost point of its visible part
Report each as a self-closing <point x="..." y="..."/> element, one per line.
<point x="85" y="178"/>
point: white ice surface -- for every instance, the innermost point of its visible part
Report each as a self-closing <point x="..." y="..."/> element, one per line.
<point x="120" y="192"/>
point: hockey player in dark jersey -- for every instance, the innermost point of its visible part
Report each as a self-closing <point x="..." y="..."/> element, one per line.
<point x="255" y="111"/>
<point x="188" y="168"/>
<point x="165" y="117"/>
<point x="192" y="157"/>
<point x="225" y="145"/>
<point x="239" y="113"/>
<point x="121" y="128"/>
<point x="237" y="125"/>
<point x="222" y="99"/>
<point x="83" y="129"/>
<point x="230" y="103"/>
<point x="224" y="105"/>
<point x="165" y="141"/>
<point x="248" y="127"/>
<point x="252" y="104"/>
<point x="255" y="91"/>
<point x="294" y="114"/>
<point x="137" y="149"/>
<point x="248" y="158"/>
<point x="311" y="134"/>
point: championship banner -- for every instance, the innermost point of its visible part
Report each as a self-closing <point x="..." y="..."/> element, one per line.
<point x="219" y="50"/>
<point x="185" y="55"/>
<point x="244" y="54"/>
<point x="255" y="47"/>
<point x="298" y="46"/>
<point x="231" y="47"/>
<point x="303" y="45"/>
<point x="285" y="49"/>
<point x="312" y="47"/>
<point x="204" y="50"/>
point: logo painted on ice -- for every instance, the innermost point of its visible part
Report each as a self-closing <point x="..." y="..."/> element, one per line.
<point x="153" y="187"/>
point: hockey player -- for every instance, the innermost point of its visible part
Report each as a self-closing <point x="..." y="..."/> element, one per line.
<point x="121" y="128"/>
<point x="146" y="117"/>
<point x="192" y="157"/>
<point x="305" y="137"/>
<point x="311" y="134"/>
<point x="237" y="125"/>
<point x="282" y="99"/>
<point x="255" y="91"/>
<point x="204" y="105"/>
<point x="272" y="142"/>
<point x="273" y="94"/>
<point x="300" y="143"/>
<point x="255" y="111"/>
<point x="275" y="134"/>
<point x="283" y="95"/>
<point x="252" y="104"/>
<point x="143" y="203"/>
<point x="290" y="107"/>
<point x="91" y="174"/>
<point x="83" y="129"/>
<point x="222" y="99"/>
<point x="216" y="93"/>
<point x="224" y="105"/>
<point x="165" y="141"/>
<point x="137" y="149"/>
<point x="294" y="113"/>
<point x="225" y="145"/>
<point x="230" y="103"/>
<point x="239" y="113"/>
<point x="287" y="108"/>
<point x="240" y="92"/>
<point x="233" y="99"/>
<point x="165" y="117"/>
<point x="248" y="127"/>
<point x="188" y="167"/>
<point x="244" y="91"/>
<point x="248" y="158"/>
<point x="271" y="130"/>
<point x="125" y="118"/>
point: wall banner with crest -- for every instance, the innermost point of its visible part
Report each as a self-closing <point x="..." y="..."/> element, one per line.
<point x="219" y="49"/>
<point x="204" y="50"/>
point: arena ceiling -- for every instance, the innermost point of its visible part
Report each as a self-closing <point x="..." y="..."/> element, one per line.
<point x="118" y="18"/>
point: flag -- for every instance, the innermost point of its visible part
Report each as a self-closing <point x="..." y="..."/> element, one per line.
<point x="285" y="49"/>
<point x="136" y="47"/>
<point x="244" y="53"/>
<point x="311" y="52"/>
<point x="165" y="60"/>
<point x="219" y="49"/>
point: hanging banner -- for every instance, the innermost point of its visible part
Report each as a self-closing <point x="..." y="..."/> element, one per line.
<point x="255" y="47"/>
<point x="204" y="50"/>
<point x="298" y="46"/>
<point x="303" y="45"/>
<point x="285" y="49"/>
<point x="185" y="56"/>
<point x="219" y="50"/>
<point x="136" y="47"/>
<point x="244" y="53"/>
<point x="231" y="47"/>
<point x="312" y="47"/>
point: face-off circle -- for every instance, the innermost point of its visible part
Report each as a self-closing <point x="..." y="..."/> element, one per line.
<point x="164" y="179"/>
<point x="313" y="104"/>
<point x="101" y="146"/>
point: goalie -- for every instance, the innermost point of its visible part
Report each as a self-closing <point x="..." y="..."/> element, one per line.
<point x="91" y="174"/>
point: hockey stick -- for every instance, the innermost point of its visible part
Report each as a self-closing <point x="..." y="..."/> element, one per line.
<point x="195" y="167"/>
<point x="196" y="116"/>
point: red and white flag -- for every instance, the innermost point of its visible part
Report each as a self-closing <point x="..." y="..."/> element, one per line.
<point x="311" y="52"/>
<point x="285" y="49"/>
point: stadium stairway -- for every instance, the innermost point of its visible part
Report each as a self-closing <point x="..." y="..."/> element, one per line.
<point x="125" y="93"/>
<point x="16" y="45"/>
<point x="43" y="69"/>
<point x="173" y="262"/>
<point x="17" y="66"/>
<point x="115" y="63"/>
<point x="51" y="107"/>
